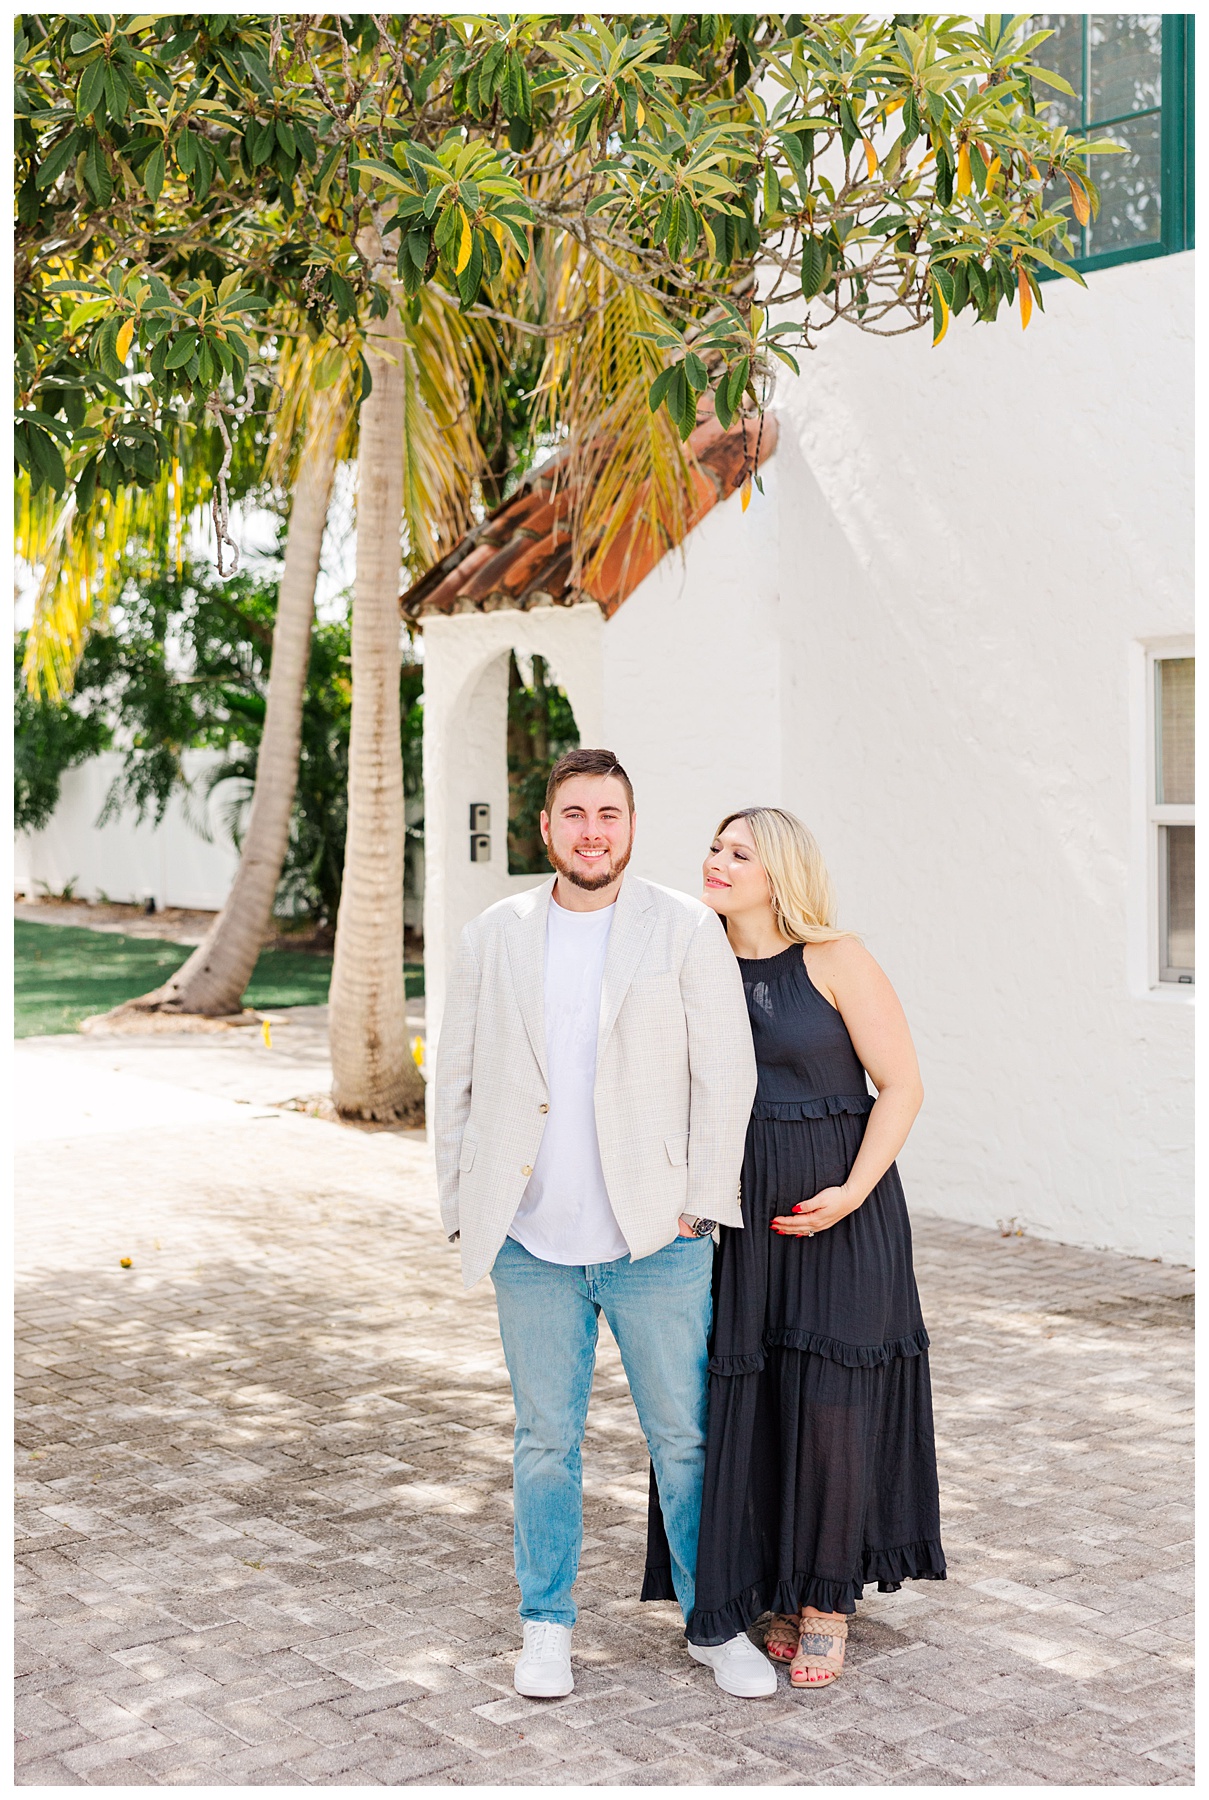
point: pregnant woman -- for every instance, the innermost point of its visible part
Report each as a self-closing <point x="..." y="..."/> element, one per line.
<point x="820" y="1465"/>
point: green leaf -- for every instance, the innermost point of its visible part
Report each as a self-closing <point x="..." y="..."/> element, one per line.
<point x="260" y="139"/>
<point x="471" y="277"/>
<point x="86" y="486"/>
<point x="153" y="174"/>
<point x="96" y="173"/>
<point x="86" y="310"/>
<point x="203" y="172"/>
<point x="181" y="351"/>
<point x="342" y="294"/>
<point x="696" y="372"/>
<point x="91" y="88"/>
<point x="944" y="176"/>
<point x="659" y="388"/>
<point x="45" y="459"/>
<point x="687" y="421"/>
<point x="816" y="267"/>
<point x="64" y="152"/>
<point x="737" y="380"/>
<point x="327" y="171"/>
<point x="286" y="138"/>
<point x="117" y="94"/>
<point x="44" y="420"/>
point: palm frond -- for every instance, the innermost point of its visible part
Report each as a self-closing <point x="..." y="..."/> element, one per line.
<point x="85" y="561"/>
<point x="447" y="359"/>
<point x="632" y="479"/>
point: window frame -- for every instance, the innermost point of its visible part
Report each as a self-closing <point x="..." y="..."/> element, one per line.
<point x="1177" y="114"/>
<point x="1158" y="815"/>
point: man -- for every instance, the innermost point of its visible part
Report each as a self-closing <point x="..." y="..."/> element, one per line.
<point x="593" y="1084"/>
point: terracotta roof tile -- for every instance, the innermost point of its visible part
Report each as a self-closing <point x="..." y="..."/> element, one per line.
<point x="520" y="556"/>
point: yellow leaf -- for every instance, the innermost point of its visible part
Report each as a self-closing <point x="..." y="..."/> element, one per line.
<point x="640" y="113"/>
<point x="125" y="338"/>
<point x="1033" y="170"/>
<point x="465" y="247"/>
<point x="1025" y="289"/>
<point x="266" y="1034"/>
<point x="964" y="179"/>
<point x="126" y="1262"/>
<point x="417" y="1051"/>
<point x="993" y="170"/>
<point x="1079" y="200"/>
<point x="745" y="499"/>
<point x="945" y="314"/>
<point x="870" y="158"/>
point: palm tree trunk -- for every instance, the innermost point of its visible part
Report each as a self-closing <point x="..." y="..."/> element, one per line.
<point x="374" y="1076"/>
<point x="212" y="981"/>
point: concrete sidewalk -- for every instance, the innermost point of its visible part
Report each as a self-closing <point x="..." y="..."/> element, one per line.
<point x="263" y="1486"/>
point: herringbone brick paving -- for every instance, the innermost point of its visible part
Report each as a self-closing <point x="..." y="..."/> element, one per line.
<point x="264" y="1521"/>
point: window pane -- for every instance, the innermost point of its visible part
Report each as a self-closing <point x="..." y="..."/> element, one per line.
<point x="1063" y="53"/>
<point x="1126" y="62"/>
<point x="1178" y="950"/>
<point x="1130" y="187"/>
<point x="1175" y="722"/>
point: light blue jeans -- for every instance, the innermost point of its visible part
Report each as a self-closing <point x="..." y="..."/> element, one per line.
<point x="659" y="1310"/>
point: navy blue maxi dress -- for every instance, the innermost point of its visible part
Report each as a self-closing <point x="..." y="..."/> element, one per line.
<point x="820" y="1469"/>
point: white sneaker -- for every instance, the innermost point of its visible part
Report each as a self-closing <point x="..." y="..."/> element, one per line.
<point x="739" y="1668"/>
<point x="543" y="1671"/>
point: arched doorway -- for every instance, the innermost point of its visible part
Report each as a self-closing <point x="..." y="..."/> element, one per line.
<point x="478" y="716"/>
<point x="541" y="728"/>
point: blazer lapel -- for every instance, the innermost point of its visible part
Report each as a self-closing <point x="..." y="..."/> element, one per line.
<point x="527" y="960"/>
<point x="632" y="924"/>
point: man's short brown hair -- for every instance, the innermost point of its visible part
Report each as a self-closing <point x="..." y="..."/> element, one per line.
<point x="587" y="762"/>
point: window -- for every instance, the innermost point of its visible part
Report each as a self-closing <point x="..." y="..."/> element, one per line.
<point x="1132" y="80"/>
<point x="1171" y="814"/>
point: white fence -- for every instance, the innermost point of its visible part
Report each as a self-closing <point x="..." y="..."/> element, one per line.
<point x="171" y="863"/>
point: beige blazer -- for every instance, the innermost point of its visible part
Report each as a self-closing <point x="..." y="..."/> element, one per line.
<point x="675" y="1070"/>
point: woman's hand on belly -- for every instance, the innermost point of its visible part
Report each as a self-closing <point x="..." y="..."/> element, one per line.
<point x="827" y="1208"/>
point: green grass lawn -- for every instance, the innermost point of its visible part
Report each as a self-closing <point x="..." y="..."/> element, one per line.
<point x="65" y="972"/>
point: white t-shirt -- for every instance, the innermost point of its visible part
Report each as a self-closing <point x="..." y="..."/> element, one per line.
<point x="564" y="1215"/>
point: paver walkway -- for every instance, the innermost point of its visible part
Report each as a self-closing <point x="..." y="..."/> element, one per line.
<point x="263" y="1486"/>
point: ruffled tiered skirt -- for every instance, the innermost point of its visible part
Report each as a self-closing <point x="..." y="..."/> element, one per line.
<point x="820" y="1464"/>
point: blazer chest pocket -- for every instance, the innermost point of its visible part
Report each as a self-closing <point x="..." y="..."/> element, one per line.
<point x="466" y="1159"/>
<point x="677" y="1149"/>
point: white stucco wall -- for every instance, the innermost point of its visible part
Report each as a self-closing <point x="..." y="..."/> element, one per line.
<point x="465" y="758"/>
<point x="692" y="684"/>
<point x="126" y="860"/>
<point x="928" y="638"/>
<point x="981" y="540"/>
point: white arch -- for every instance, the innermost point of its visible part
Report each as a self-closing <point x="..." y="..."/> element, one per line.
<point x="465" y="759"/>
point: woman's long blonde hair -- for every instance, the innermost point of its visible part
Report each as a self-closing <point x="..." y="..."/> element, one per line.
<point x="803" y="903"/>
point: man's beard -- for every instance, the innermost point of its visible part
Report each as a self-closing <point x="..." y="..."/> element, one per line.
<point x="591" y="882"/>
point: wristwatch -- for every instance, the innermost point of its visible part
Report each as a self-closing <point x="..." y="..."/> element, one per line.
<point x="698" y="1227"/>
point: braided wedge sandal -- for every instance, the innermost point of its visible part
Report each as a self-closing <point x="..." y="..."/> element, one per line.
<point x="781" y="1636"/>
<point x="820" y="1653"/>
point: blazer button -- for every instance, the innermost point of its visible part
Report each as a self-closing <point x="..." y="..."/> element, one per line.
<point x="544" y="1107"/>
<point x="527" y="1169"/>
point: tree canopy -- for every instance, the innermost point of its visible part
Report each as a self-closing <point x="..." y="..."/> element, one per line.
<point x="190" y="187"/>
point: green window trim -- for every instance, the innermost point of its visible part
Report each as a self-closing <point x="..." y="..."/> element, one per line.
<point x="1177" y="113"/>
